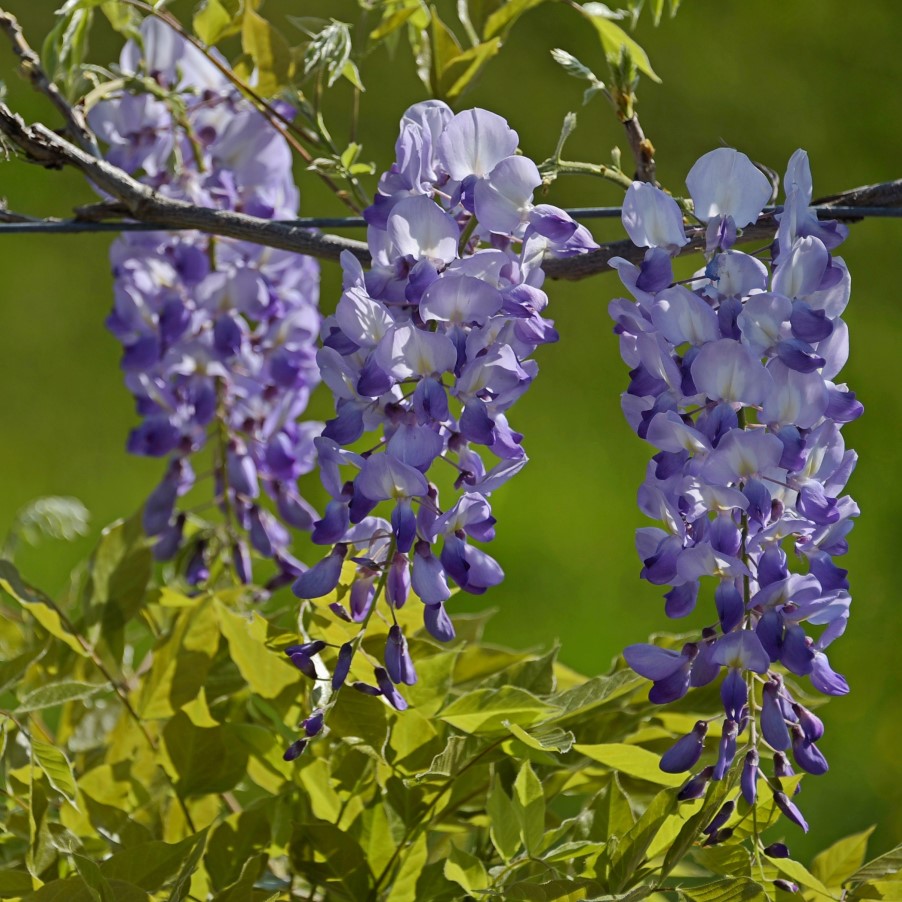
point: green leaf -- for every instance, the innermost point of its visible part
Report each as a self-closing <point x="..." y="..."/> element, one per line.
<point x="57" y="694"/>
<point x="124" y="19"/>
<point x="456" y="755"/>
<point x="243" y="889"/>
<point x="266" y="672"/>
<point x="239" y="838"/>
<point x="461" y="71"/>
<point x="56" y="767"/>
<point x="630" y="852"/>
<point x="561" y="891"/>
<point x="503" y="19"/>
<point x="613" y="37"/>
<point x="487" y="710"/>
<point x="466" y="870"/>
<point x="800" y="874"/>
<point x="152" y="864"/>
<point x="217" y="19"/>
<point x="594" y="694"/>
<point x="613" y="812"/>
<point x="691" y="830"/>
<point x="542" y="738"/>
<point x="529" y="806"/>
<point x="89" y="871"/>
<point x="837" y="863"/>
<point x="39" y="606"/>
<point x="74" y="889"/>
<point x="503" y="826"/>
<point x="14" y="883"/>
<point x="207" y="760"/>
<point x="630" y="759"/>
<point x="886" y="864"/>
<point x="392" y="21"/>
<point x="443" y="47"/>
<point x="269" y="51"/>
<point x="730" y="890"/>
<point x="331" y="856"/>
<point x="182" y="885"/>
<point x="404" y="886"/>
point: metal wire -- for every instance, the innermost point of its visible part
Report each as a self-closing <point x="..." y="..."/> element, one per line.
<point x="74" y="226"/>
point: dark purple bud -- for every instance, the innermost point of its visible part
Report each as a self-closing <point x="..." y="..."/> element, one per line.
<point x="782" y="768"/>
<point x="807" y="755"/>
<point x="306" y="648"/>
<point x="789" y="808"/>
<point x="428" y="576"/>
<point x="680" y="600"/>
<point x="347" y="427"/>
<point x="769" y="631"/>
<point x="366" y="689"/>
<point x="437" y="622"/>
<point x="160" y="505"/>
<point x="718" y="837"/>
<point x="670" y="688"/>
<point x="363" y="591"/>
<point x="430" y="401"/>
<point x="734" y="693"/>
<point x="373" y="380"/>
<point x="305" y="664"/>
<point x="295" y="511"/>
<point x="340" y="612"/>
<point x="797" y="653"/>
<point x="776" y="850"/>
<point x="404" y="525"/>
<point x="314" y="723"/>
<point x="334" y="524"/>
<point x="759" y="501"/>
<point x="323" y="577"/>
<point x="387" y="687"/>
<point x="695" y="787"/>
<point x="772" y="566"/>
<point x="242" y="474"/>
<point x="397" y="658"/>
<point x="749" y="779"/>
<point x="786" y="885"/>
<point x="198" y="570"/>
<point x="727" y="749"/>
<point x="397" y="585"/>
<point x="170" y="540"/>
<point x="683" y="755"/>
<point x="773" y="724"/>
<point x="722" y="816"/>
<point x="295" y="749"/>
<point x="730" y="606"/>
<point x="812" y="726"/>
<point x="342" y="665"/>
<point x="241" y="561"/>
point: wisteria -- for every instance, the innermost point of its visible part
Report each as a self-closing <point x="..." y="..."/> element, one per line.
<point x="733" y="381"/>
<point x="426" y="354"/>
<point x="219" y="336"/>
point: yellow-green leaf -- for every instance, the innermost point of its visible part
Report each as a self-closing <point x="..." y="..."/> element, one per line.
<point x="269" y="51"/>
<point x="217" y="19"/>
<point x="487" y="710"/>
<point x="613" y="37"/>
<point x="838" y="862"/>
<point x="504" y="18"/>
<point x="466" y="870"/>
<point x="504" y="831"/>
<point x="266" y="672"/>
<point x="56" y="767"/>
<point x="632" y="760"/>
<point x="529" y="806"/>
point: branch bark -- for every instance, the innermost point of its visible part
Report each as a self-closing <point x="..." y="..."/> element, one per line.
<point x="134" y="200"/>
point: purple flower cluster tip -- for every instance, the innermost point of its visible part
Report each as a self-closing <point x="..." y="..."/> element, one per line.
<point x="733" y="380"/>
<point x="219" y="336"/>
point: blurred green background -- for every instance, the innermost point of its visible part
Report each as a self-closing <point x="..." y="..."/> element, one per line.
<point x="766" y="77"/>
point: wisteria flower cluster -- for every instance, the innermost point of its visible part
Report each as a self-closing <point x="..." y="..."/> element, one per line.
<point x="732" y="380"/>
<point x="219" y="335"/>
<point x="425" y="355"/>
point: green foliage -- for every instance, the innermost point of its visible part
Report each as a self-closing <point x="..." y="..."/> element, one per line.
<point x="142" y="759"/>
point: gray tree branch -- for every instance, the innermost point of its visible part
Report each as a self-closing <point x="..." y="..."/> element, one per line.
<point x="129" y="198"/>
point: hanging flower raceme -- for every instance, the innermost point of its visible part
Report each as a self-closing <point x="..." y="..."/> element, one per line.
<point x="733" y="381"/>
<point x="426" y="354"/>
<point x="219" y="335"/>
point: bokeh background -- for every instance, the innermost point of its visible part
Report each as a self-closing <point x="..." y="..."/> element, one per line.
<point x="766" y="77"/>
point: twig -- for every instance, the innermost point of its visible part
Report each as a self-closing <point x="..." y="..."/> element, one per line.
<point x="42" y="146"/>
<point x="31" y="68"/>
<point x="642" y="149"/>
